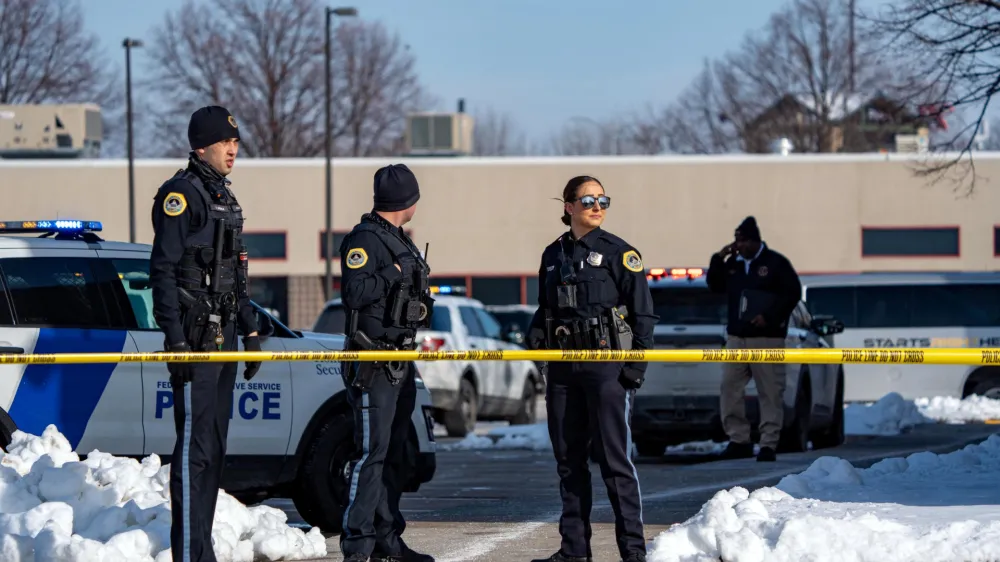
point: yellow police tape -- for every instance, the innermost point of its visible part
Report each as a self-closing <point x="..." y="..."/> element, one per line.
<point x="934" y="356"/>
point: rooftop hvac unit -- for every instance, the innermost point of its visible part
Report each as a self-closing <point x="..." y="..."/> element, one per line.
<point x="912" y="143"/>
<point x="50" y="131"/>
<point x="439" y="134"/>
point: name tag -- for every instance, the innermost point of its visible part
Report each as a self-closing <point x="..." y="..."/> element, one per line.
<point x="219" y="208"/>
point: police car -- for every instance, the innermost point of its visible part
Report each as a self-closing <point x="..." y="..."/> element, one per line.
<point x="679" y="402"/>
<point x="69" y="291"/>
<point x="465" y="392"/>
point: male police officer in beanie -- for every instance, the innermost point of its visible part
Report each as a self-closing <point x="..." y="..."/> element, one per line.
<point x="198" y="272"/>
<point x="762" y="289"/>
<point x="386" y="296"/>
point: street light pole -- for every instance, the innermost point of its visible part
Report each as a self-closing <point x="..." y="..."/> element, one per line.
<point x="328" y="234"/>
<point x="128" y="44"/>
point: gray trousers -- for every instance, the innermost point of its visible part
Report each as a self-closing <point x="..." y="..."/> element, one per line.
<point x="770" y="380"/>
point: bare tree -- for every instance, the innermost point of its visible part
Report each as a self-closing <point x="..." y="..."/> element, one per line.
<point x="583" y="136"/>
<point x="954" y="46"/>
<point x="48" y="57"/>
<point x="496" y="134"/>
<point x="809" y="67"/>
<point x="264" y="60"/>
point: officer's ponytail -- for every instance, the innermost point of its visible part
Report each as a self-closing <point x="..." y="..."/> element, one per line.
<point x="569" y="192"/>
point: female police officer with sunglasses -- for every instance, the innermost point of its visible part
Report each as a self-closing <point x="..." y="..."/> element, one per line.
<point x="593" y="294"/>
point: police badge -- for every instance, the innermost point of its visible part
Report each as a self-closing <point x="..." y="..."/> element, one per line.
<point x="594" y="259"/>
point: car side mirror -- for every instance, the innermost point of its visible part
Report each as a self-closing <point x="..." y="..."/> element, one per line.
<point x="826" y="325"/>
<point x="265" y="328"/>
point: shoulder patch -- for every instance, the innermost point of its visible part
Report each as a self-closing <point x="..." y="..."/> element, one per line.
<point x="174" y="204"/>
<point x="356" y="257"/>
<point x="632" y="261"/>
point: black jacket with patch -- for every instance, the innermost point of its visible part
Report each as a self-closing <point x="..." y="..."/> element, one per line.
<point x="770" y="272"/>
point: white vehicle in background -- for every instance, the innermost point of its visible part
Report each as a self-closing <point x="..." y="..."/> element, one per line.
<point x="679" y="402"/>
<point x="464" y="392"/>
<point x="916" y="310"/>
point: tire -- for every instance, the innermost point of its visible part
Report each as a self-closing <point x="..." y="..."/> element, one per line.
<point x="650" y="448"/>
<point x="461" y="420"/>
<point x="321" y="491"/>
<point x="528" y="409"/>
<point x="989" y="387"/>
<point x="795" y="437"/>
<point x="835" y="435"/>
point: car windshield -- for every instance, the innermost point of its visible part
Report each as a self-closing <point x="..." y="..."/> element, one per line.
<point x="689" y="305"/>
<point x="333" y="320"/>
<point x="520" y="317"/>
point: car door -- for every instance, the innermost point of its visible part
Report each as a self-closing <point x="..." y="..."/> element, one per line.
<point x="257" y="424"/>
<point x="476" y="339"/>
<point x="508" y="385"/>
<point x="63" y="302"/>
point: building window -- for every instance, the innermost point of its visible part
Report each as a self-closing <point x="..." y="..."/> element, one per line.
<point x="497" y="290"/>
<point x="266" y="245"/>
<point x="450" y="285"/>
<point x="909" y="242"/>
<point x="338" y="239"/>
<point x="531" y="291"/>
<point x="996" y="240"/>
<point x="271" y="293"/>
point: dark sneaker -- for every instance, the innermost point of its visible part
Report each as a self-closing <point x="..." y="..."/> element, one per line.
<point x="738" y="451"/>
<point x="560" y="557"/>
<point x="766" y="454"/>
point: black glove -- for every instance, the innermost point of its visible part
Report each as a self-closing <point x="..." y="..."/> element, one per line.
<point x="251" y="343"/>
<point x="631" y="377"/>
<point x="182" y="371"/>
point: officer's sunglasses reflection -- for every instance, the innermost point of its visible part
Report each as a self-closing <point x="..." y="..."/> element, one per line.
<point x="588" y="201"/>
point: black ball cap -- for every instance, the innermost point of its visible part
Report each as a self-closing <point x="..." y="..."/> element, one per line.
<point x="210" y="125"/>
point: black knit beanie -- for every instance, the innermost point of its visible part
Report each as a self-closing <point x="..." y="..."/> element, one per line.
<point x="396" y="188"/>
<point x="210" y="125"/>
<point x="748" y="229"/>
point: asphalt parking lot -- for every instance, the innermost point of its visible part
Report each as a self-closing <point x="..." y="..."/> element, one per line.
<point x="493" y="505"/>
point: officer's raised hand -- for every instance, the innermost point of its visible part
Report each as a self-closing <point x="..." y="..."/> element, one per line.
<point x="251" y="343"/>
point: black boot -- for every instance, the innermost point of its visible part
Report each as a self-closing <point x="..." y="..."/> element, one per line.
<point x="560" y="557"/>
<point x="738" y="451"/>
<point x="635" y="557"/>
<point x="356" y="558"/>
<point x="407" y="555"/>
<point x="766" y="454"/>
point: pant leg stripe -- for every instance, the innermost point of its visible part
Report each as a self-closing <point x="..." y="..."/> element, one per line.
<point x="628" y="440"/>
<point x="365" y="449"/>
<point x="186" y="473"/>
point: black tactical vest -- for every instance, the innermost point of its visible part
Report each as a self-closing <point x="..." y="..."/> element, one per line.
<point x="392" y="312"/>
<point x="196" y="266"/>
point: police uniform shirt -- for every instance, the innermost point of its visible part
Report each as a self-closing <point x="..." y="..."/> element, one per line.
<point x="178" y="212"/>
<point x="609" y="273"/>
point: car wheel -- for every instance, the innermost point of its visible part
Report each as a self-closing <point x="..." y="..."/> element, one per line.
<point x="321" y="493"/>
<point x="795" y="437"/>
<point x="528" y="412"/>
<point x="834" y="436"/>
<point x="650" y="447"/>
<point x="461" y="420"/>
<point x="988" y="388"/>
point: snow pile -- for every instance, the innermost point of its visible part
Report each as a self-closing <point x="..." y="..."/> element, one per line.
<point x="952" y="410"/>
<point x="54" y="507"/>
<point x="534" y="437"/>
<point x="890" y="415"/>
<point x="924" y="507"/>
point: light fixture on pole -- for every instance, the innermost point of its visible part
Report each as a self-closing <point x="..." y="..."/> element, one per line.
<point x="328" y="234"/>
<point x="128" y="44"/>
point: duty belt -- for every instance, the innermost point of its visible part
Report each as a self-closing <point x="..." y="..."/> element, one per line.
<point x="607" y="331"/>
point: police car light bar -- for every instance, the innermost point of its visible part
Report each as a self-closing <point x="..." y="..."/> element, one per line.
<point x="658" y="273"/>
<point x="60" y="225"/>
<point x="447" y="290"/>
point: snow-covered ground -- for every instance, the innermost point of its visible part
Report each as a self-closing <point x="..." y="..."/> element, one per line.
<point x="924" y="507"/>
<point x="54" y="507"/>
<point x="890" y="415"/>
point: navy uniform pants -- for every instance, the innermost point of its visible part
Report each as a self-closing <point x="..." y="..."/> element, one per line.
<point x="202" y="409"/>
<point x="372" y="520"/>
<point x="586" y="402"/>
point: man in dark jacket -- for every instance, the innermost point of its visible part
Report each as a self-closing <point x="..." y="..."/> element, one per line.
<point x="763" y="289"/>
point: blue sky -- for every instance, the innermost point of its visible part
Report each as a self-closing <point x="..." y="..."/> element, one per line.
<point x="543" y="62"/>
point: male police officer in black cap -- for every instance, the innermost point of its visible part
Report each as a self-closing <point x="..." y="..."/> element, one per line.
<point x="386" y="295"/>
<point x="199" y="276"/>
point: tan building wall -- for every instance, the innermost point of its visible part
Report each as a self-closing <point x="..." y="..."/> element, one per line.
<point x="493" y="217"/>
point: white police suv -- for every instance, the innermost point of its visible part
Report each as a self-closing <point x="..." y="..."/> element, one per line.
<point x="69" y="291"/>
